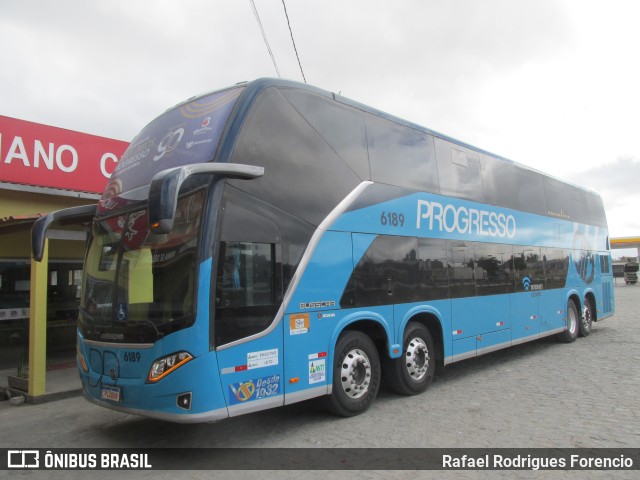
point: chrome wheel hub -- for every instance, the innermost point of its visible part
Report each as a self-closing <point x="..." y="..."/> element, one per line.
<point x="417" y="359"/>
<point x="573" y="321"/>
<point x="355" y="373"/>
<point x="586" y="317"/>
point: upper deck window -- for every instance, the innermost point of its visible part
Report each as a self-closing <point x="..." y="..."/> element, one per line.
<point x="401" y="156"/>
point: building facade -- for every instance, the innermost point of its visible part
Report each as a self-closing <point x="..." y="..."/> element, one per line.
<point x="43" y="169"/>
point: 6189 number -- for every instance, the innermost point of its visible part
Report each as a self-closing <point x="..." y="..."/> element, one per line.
<point x="392" y="219"/>
<point x="132" y="357"/>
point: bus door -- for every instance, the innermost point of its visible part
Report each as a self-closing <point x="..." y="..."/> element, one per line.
<point x="249" y="342"/>
<point x="525" y="303"/>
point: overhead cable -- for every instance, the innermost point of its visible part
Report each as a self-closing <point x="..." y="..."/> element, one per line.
<point x="264" y="36"/>
<point x="293" y="41"/>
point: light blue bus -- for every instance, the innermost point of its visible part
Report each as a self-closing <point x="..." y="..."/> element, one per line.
<point x="272" y="242"/>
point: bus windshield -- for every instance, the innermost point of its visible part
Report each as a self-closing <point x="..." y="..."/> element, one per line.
<point x="137" y="286"/>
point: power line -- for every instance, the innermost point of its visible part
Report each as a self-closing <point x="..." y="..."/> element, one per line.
<point x="293" y="41"/>
<point x="264" y="36"/>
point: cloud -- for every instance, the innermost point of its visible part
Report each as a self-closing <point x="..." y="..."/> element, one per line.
<point x="617" y="183"/>
<point x="112" y="66"/>
<point x="616" y="180"/>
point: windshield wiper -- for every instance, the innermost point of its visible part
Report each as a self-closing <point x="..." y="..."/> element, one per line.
<point x="148" y="323"/>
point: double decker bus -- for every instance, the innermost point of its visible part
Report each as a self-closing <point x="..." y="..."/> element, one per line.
<point x="272" y="242"/>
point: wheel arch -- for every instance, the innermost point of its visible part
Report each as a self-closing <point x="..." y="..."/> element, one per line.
<point x="575" y="297"/>
<point x="371" y="324"/>
<point x="431" y="320"/>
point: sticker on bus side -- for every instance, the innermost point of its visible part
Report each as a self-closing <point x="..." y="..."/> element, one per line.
<point x="255" y="389"/>
<point x="298" y="323"/>
<point x="264" y="358"/>
<point x="317" y="371"/>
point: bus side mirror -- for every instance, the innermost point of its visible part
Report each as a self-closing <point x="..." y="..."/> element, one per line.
<point x="165" y="187"/>
<point x="73" y="215"/>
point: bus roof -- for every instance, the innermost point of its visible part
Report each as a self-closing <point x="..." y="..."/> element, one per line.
<point x="255" y="87"/>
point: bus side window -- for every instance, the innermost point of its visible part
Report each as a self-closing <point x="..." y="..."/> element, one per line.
<point x="245" y="290"/>
<point x="459" y="171"/>
<point x="401" y="156"/>
<point x="528" y="268"/>
<point x="493" y="269"/>
<point x="461" y="269"/>
<point x="499" y="182"/>
<point x="556" y="265"/>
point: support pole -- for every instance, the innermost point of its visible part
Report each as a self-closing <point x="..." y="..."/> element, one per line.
<point x="38" y="326"/>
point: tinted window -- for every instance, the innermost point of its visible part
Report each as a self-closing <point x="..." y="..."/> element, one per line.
<point x="459" y="171"/>
<point x="401" y="156"/>
<point x="499" y="182"/>
<point x="461" y="269"/>
<point x="605" y="264"/>
<point x="565" y="201"/>
<point x="181" y="136"/>
<point x="386" y="274"/>
<point x="246" y="274"/>
<point x="398" y="270"/>
<point x="585" y="264"/>
<point x="342" y="127"/>
<point x="528" y="268"/>
<point x="303" y="174"/>
<point x="432" y="266"/>
<point x="556" y="266"/>
<point x="530" y="192"/>
<point x="258" y="242"/>
<point x="493" y="269"/>
<point x="595" y="209"/>
<point x="245" y="290"/>
<point x="402" y="267"/>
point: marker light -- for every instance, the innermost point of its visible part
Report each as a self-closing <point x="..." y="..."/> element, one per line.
<point x="81" y="361"/>
<point x="164" y="366"/>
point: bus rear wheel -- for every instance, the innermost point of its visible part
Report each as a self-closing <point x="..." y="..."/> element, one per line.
<point x="573" y="319"/>
<point x="412" y="373"/>
<point x="586" y="322"/>
<point x="356" y="375"/>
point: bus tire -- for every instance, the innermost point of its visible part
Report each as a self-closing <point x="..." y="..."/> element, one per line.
<point x="356" y="375"/>
<point x="586" y="321"/>
<point x="573" y="321"/>
<point x="413" y="372"/>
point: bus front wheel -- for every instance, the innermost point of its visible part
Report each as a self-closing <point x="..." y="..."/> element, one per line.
<point x="412" y="373"/>
<point x="573" y="319"/>
<point x="356" y="374"/>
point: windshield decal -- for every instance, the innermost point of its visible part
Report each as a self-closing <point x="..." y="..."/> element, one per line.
<point x="182" y="136"/>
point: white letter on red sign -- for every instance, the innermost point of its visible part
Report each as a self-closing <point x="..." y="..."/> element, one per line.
<point x="40" y="153"/>
<point x="103" y="161"/>
<point x="74" y="158"/>
<point x="17" y="151"/>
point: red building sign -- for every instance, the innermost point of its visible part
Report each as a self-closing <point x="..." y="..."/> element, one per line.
<point x="44" y="156"/>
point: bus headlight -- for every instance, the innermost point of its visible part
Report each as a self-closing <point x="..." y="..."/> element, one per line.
<point x="165" y="365"/>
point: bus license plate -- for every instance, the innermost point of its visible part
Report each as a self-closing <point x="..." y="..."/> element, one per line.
<point x="111" y="393"/>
